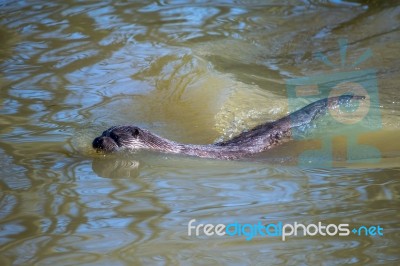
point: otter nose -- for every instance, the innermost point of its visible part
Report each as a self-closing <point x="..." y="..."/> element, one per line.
<point x="98" y="143"/>
<point x="105" y="144"/>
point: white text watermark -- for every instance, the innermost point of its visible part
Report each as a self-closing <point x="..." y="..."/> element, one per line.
<point x="281" y="230"/>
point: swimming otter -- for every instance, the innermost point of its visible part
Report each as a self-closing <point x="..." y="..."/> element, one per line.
<point x="258" y="139"/>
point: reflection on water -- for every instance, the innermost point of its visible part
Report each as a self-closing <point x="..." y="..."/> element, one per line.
<point x="193" y="73"/>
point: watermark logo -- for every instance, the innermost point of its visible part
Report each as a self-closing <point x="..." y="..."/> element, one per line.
<point x="279" y="229"/>
<point x="352" y="119"/>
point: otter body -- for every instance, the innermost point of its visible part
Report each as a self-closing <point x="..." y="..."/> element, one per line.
<point x="258" y="139"/>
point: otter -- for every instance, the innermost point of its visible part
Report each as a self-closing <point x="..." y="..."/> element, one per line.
<point x="256" y="140"/>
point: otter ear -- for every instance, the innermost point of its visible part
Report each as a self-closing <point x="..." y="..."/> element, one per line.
<point x="135" y="132"/>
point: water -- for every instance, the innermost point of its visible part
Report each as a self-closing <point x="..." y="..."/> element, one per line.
<point x="195" y="73"/>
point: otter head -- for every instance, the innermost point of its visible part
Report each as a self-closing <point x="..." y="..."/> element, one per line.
<point x="120" y="137"/>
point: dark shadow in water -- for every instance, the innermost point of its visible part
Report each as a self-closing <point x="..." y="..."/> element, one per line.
<point x="115" y="167"/>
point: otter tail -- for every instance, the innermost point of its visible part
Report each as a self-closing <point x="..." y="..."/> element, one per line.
<point x="311" y="112"/>
<point x="268" y="135"/>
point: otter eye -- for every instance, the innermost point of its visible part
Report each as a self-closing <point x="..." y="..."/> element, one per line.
<point x="114" y="136"/>
<point x="135" y="132"/>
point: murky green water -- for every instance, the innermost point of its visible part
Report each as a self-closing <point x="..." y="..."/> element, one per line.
<point x="192" y="72"/>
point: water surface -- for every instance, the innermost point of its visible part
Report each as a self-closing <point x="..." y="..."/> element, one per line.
<point x="193" y="72"/>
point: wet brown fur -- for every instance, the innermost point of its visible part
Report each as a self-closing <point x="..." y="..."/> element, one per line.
<point x="258" y="139"/>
